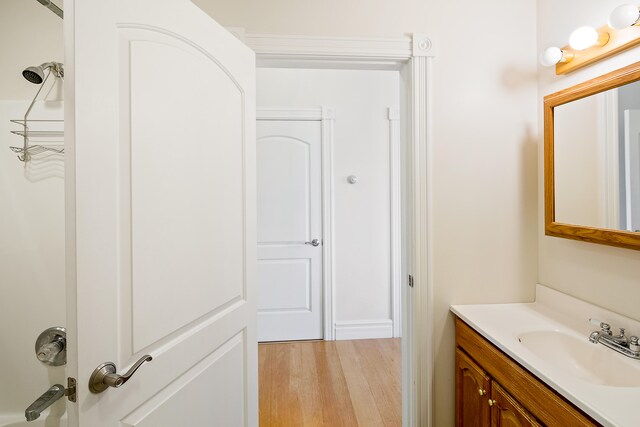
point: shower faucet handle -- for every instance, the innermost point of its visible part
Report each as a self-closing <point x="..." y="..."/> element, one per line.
<point x="105" y="376"/>
<point x="51" y="346"/>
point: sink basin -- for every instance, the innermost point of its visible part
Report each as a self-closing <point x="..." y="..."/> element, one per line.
<point x="579" y="358"/>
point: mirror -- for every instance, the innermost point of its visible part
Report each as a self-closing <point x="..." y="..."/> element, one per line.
<point x="592" y="160"/>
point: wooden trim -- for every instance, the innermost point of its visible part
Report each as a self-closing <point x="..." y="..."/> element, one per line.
<point x="619" y="41"/>
<point x="536" y="397"/>
<point x="395" y="214"/>
<point x="421" y="295"/>
<point x="328" y="279"/>
<point x="620" y="238"/>
<point x="364" y="329"/>
<point x="289" y="114"/>
<point x="329" y="52"/>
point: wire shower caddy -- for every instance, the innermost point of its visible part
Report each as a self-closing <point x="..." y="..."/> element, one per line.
<point x="47" y="133"/>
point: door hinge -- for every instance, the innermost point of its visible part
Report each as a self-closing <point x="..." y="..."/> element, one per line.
<point x="70" y="392"/>
<point x="411" y="281"/>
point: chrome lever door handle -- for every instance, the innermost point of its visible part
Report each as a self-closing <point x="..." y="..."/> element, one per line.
<point x="314" y="242"/>
<point x="105" y="376"/>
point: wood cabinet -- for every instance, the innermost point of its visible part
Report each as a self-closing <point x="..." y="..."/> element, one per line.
<point x="492" y="390"/>
<point x="473" y="386"/>
<point x="506" y="411"/>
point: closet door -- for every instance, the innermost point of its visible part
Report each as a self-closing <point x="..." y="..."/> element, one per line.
<point x="160" y="216"/>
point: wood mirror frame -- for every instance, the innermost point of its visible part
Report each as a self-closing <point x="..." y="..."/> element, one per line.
<point x="605" y="236"/>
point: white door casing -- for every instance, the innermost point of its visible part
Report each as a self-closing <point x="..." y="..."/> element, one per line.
<point x="160" y="183"/>
<point x="414" y="57"/>
<point x="289" y="218"/>
<point x="632" y="167"/>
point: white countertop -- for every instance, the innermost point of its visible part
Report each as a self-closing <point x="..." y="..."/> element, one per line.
<point x="553" y="311"/>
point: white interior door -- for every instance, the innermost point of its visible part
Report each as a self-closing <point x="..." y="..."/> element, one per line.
<point x="160" y="175"/>
<point x="632" y="167"/>
<point x="289" y="230"/>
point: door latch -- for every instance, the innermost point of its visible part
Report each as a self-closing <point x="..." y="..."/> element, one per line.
<point x="70" y="392"/>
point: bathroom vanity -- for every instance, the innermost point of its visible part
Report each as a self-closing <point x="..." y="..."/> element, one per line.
<point x="533" y="365"/>
<point x="483" y="376"/>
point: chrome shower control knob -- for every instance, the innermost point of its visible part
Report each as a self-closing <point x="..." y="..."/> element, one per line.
<point x="51" y="346"/>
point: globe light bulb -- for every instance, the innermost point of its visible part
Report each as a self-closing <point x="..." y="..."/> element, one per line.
<point x="624" y="16"/>
<point x="551" y="56"/>
<point x="583" y="38"/>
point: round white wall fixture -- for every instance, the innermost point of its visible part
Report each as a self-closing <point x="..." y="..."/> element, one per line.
<point x="352" y="179"/>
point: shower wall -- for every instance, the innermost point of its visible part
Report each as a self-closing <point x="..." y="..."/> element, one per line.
<point x="31" y="260"/>
<point x="32" y="290"/>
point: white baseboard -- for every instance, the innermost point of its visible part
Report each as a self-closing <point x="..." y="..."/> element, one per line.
<point x="364" y="329"/>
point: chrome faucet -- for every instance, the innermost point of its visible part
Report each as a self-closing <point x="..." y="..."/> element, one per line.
<point x="43" y="402"/>
<point x="620" y="343"/>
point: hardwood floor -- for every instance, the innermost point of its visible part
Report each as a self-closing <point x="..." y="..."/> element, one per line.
<point x="331" y="383"/>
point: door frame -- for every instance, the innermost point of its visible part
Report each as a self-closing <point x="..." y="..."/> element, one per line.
<point x="413" y="56"/>
<point x="325" y="115"/>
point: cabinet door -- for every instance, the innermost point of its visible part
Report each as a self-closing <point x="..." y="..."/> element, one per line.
<point x="472" y="393"/>
<point x="506" y="412"/>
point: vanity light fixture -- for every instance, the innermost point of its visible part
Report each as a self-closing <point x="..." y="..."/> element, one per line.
<point x="588" y="45"/>
<point x="623" y="16"/>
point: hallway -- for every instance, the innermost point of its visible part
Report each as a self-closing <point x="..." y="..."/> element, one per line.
<point x="331" y="383"/>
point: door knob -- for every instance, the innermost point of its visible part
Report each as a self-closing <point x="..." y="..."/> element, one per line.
<point x="105" y="375"/>
<point x="314" y="242"/>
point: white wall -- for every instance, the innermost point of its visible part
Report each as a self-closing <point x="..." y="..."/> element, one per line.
<point x="31" y="212"/>
<point x="603" y="275"/>
<point x="361" y="211"/>
<point x="485" y="153"/>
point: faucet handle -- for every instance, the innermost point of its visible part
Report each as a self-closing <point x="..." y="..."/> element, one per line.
<point x="621" y="331"/>
<point x="633" y="344"/>
<point x="606" y="328"/>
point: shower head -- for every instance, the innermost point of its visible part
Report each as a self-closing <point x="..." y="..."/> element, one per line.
<point x="36" y="74"/>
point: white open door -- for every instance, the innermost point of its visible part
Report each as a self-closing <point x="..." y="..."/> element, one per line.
<point x="160" y="172"/>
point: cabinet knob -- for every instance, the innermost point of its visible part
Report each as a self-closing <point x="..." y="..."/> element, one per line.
<point x="482" y="391"/>
<point x="492" y="402"/>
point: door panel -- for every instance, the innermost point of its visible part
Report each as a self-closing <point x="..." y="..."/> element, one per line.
<point x="175" y="192"/>
<point x="161" y="214"/>
<point x="274" y="292"/>
<point x="284" y="189"/>
<point x="289" y="214"/>
<point x="221" y="367"/>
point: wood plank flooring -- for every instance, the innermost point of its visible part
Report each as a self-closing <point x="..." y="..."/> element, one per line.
<point x="331" y="383"/>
